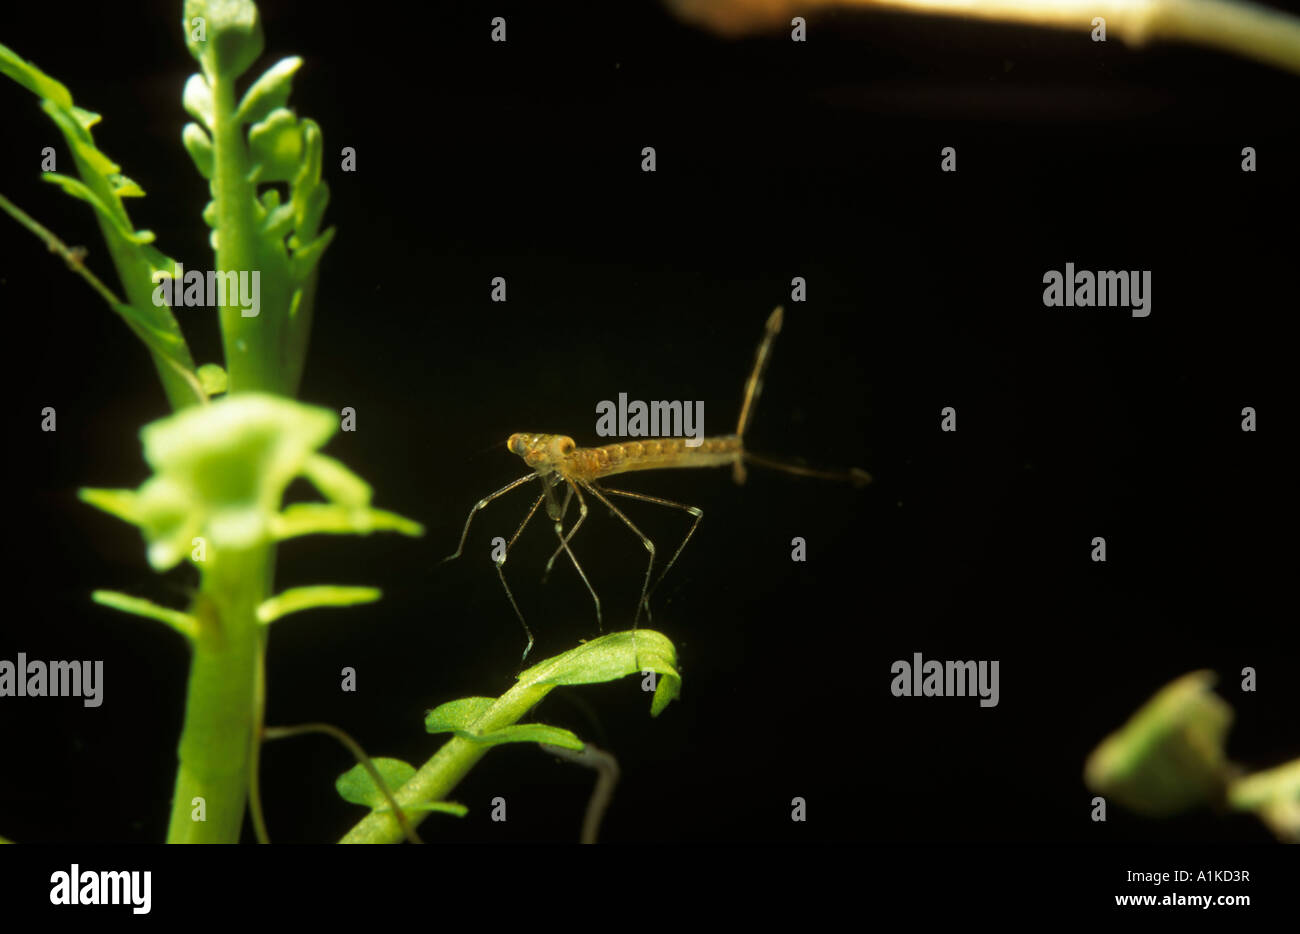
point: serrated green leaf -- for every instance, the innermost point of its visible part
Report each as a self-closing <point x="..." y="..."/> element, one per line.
<point x="80" y="140"/>
<point x="103" y="186"/>
<point x="297" y="599"/>
<point x="78" y="189"/>
<point x="268" y="92"/>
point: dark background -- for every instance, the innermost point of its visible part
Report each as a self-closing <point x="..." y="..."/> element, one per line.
<point x="774" y="160"/>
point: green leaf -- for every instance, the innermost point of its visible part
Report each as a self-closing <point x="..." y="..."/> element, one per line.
<point x="457" y="715"/>
<point x="356" y="786"/>
<point x="323" y="518"/>
<point x="183" y="623"/>
<point x="213" y="379"/>
<point x="199" y="145"/>
<point x="482" y="722"/>
<point x="220" y="472"/>
<point x="526" y="733"/>
<point x="86" y="118"/>
<point x="120" y="503"/>
<point x="335" y="482"/>
<point x="605" y="659"/>
<point x="1260" y="788"/>
<point x="32" y="78"/>
<point x="227" y="40"/>
<point x="275" y="146"/>
<point x="196" y="98"/>
<point x="1274" y="795"/>
<point x="103" y="186"/>
<point x="268" y="92"/>
<point x="297" y="599"/>
<point x="461" y="717"/>
<point x="305" y="258"/>
<point x="1170" y="756"/>
<point x="79" y="139"/>
<point x="160" y="341"/>
<point x="442" y="807"/>
<point x="79" y="189"/>
<point x="123" y="187"/>
<point x="611" y="657"/>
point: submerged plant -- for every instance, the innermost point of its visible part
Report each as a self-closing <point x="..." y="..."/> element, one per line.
<point x="221" y="465"/>
<point x="1171" y="758"/>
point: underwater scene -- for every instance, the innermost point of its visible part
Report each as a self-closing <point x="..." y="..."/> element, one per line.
<point x="673" y="422"/>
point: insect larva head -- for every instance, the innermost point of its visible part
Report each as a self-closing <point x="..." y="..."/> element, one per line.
<point x="540" y="450"/>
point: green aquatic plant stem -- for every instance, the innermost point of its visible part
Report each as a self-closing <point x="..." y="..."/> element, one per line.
<point x="246" y="340"/>
<point x="220" y="474"/>
<point x="479" y="723"/>
<point x="223" y="706"/>
<point x="437" y="777"/>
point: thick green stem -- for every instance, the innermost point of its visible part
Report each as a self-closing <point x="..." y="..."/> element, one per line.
<point x="222" y="713"/>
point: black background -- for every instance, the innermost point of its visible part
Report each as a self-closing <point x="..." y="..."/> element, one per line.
<point x="775" y="160"/>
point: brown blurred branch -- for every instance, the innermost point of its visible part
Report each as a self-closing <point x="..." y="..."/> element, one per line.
<point x="1250" y="30"/>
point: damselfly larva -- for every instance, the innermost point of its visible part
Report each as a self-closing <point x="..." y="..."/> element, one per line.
<point x="558" y="461"/>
